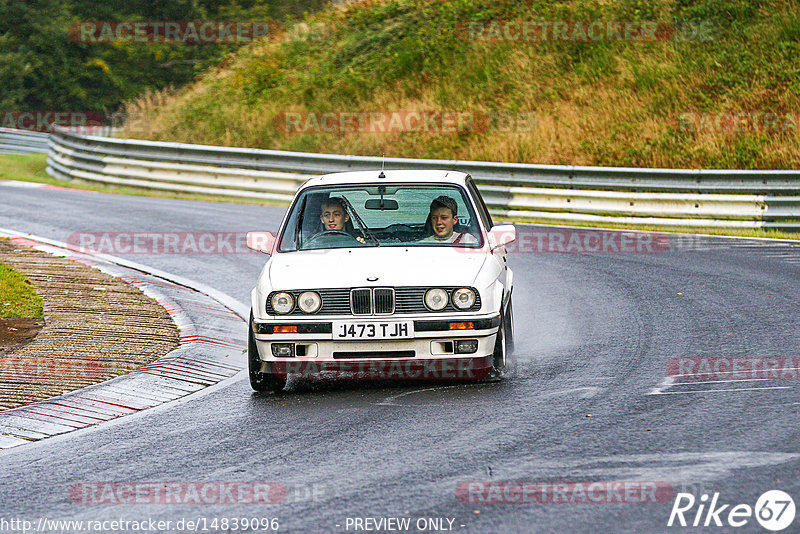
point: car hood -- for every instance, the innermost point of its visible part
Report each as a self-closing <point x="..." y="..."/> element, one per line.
<point x="335" y="268"/>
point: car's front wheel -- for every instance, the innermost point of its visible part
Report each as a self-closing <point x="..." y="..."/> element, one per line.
<point x="499" y="356"/>
<point x="261" y="382"/>
<point x="503" y="343"/>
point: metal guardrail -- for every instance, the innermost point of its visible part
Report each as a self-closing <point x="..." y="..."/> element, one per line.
<point x="22" y="141"/>
<point x="523" y="192"/>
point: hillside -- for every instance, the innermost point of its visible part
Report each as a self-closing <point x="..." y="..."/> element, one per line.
<point x="710" y="83"/>
<point x="47" y="64"/>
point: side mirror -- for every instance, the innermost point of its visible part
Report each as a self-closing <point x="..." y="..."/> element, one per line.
<point x="261" y="242"/>
<point x="502" y="235"/>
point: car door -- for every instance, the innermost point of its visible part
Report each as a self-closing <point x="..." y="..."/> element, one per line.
<point x="500" y="254"/>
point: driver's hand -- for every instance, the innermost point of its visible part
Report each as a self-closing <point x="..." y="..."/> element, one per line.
<point x="360" y="239"/>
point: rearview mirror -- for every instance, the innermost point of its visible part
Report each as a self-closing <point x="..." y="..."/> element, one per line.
<point x="261" y="242"/>
<point x="502" y="235"/>
<point x="381" y="204"/>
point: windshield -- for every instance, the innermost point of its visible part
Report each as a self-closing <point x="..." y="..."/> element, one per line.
<point x="392" y="215"/>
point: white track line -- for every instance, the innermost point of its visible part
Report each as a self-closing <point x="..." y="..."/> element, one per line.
<point x="716" y="390"/>
<point x="724" y="381"/>
<point x="388" y="400"/>
<point x="665" y="384"/>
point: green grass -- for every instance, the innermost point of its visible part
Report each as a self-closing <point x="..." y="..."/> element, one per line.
<point x="31" y="168"/>
<point x="17" y="297"/>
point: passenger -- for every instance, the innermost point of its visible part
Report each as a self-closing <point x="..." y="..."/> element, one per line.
<point x="443" y="218"/>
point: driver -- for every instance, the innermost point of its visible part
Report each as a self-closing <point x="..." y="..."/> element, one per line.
<point x="334" y="216"/>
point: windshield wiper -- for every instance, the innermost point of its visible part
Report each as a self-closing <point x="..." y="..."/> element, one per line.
<point x="365" y="232"/>
<point x="298" y="229"/>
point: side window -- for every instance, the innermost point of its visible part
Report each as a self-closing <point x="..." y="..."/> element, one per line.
<point x="287" y="238"/>
<point x="483" y="213"/>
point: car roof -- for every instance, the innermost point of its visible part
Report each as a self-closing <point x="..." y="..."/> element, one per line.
<point x="392" y="176"/>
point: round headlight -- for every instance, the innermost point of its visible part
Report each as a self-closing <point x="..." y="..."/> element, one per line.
<point x="282" y="303"/>
<point x="436" y="299"/>
<point x="309" y="301"/>
<point x="463" y="298"/>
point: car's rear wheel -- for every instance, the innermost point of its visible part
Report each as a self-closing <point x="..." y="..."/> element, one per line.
<point x="508" y="318"/>
<point x="261" y="382"/>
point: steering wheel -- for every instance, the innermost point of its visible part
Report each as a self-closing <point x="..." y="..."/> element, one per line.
<point x="329" y="233"/>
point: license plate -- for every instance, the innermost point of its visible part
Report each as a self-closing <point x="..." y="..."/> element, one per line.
<point x="373" y="330"/>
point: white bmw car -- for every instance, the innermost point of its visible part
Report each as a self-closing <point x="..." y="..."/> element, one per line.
<point x="384" y="274"/>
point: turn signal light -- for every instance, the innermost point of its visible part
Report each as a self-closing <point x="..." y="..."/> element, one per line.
<point x="284" y="329"/>
<point x="462" y="326"/>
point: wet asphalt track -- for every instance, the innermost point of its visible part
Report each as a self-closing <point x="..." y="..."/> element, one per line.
<point x="594" y="333"/>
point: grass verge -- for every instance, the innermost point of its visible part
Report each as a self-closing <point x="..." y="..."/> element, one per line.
<point x="17" y="297"/>
<point x="32" y="168"/>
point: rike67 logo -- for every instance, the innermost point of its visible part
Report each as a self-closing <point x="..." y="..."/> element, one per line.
<point x="774" y="511"/>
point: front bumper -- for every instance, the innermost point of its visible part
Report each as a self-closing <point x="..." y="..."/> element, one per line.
<point x="436" y="351"/>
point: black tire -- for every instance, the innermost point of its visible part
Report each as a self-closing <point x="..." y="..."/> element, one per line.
<point x="503" y="345"/>
<point x="260" y="382"/>
<point x="509" y="320"/>
<point x="500" y="352"/>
